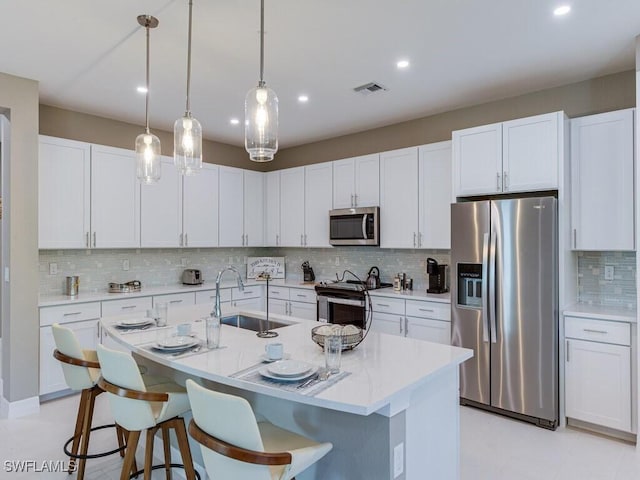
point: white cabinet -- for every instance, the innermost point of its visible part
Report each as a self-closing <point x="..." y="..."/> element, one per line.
<point x="292" y="207"/>
<point x="295" y="302"/>
<point x="356" y="182"/>
<point x="602" y="178"/>
<point x="161" y="209"/>
<point x="231" y="232"/>
<point x="434" y="195"/>
<point x="399" y="198"/>
<point x="64" y="182"/>
<point x="391" y="324"/>
<point x="200" y="207"/>
<point x="515" y="156"/>
<point x="250" y="298"/>
<point x="253" y="209"/>
<point x="209" y="296"/>
<point x="598" y="372"/>
<point x="317" y="203"/>
<point x="126" y="306"/>
<point x="272" y="209"/>
<point x="174" y="300"/>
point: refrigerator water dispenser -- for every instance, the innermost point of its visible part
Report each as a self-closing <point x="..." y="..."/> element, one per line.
<point x="470" y="285"/>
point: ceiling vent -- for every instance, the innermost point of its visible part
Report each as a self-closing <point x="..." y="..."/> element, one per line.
<point x="369" y="88"/>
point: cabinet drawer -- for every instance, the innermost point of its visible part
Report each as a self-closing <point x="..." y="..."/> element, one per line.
<point x="249" y="292"/>
<point x="209" y="296"/>
<point x="69" y="313"/>
<point x="126" y="305"/>
<point x="302" y="295"/>
<point x="176" y="299"/>
<point x="387" y="305"/>
<point x="279" y="292"/>
<point x="438" y="311"/>
<point x="597" y="330"/>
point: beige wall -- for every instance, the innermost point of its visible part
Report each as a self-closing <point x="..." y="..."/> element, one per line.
<point x="20" y="324"/>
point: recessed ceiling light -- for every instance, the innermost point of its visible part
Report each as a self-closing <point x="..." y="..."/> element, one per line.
<point x="562" y="10"/>
<point x="402" y="64"/>
<point x="234" y="121"/>
<point x="303" y="98"/>
<point x="142" y="89"/>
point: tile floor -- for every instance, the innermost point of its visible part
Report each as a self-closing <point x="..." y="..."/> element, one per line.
<point x="493" y="448"/>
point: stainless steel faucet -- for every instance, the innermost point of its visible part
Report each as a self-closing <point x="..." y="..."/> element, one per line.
<point x="217" y="312"/>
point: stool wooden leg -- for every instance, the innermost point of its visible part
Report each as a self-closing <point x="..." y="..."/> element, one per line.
<point x="129" y="465"/>
<point x="86" y="429"/>
<point x="78" y="430"/>
<point x="148" y="453"/>
<point x="122" y="439"/>
<point x="185" y="451"/>
<point x="167" y="451"/>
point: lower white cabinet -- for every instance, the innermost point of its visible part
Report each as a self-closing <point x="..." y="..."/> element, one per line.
<point x="209" y="296"/>
<point x="126" y="305"/>
<point x="295" y="302"/>
<point x="390" y="323"/>
<point x="435" y="331"/>
<point x="598" y="372"/>
<point x="249" y="299"/>
<point x="173" y="300"/>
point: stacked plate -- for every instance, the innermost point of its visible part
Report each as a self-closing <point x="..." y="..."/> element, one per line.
<point x="288" y="370"/>
<point x="175" y="344"/>
<point x="134" y="323"/>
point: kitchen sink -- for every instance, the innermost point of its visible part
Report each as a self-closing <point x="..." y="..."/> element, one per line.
<point x="251" y="323"/>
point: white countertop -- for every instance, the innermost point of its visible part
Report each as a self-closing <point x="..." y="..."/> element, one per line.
<point x="384" y="368"/>
<point x="616" y="314"/>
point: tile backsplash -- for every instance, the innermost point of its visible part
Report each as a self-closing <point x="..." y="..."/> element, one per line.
<point x="594" y="289"/>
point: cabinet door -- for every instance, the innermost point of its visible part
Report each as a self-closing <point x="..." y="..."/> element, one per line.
<point x="344" y="183"/>
<point x="477" y="160"/>
<point x="278" y="307"/>
<point x="308" y="311"/>
<point x="272" y="210"/>
<point x="292" y="207"/>
<point x="367" y="177"/>
<point x="399" y="198"/>
<point x="253" y="208"/>
<point x="435" y="197"/>
<point x="318" y="185"/>
<point x="249" y="304"/>
<point x="530" y="153"/>
<point x="174" y="300"/>
<point x="115" y="198"/>
<point x="231" y="233"/>
<point x="387" y="323"/>
<point x="200" y="208"/>
<point x="161" y="209"/>
<point x="602" y="215"/>
<point x="427" y="329"/>
<point x="598" y="383"/>
<point x="63" y="193"/>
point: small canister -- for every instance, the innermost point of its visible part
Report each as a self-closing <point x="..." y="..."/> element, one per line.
<point x="397" y="283"/>
<point x="71" y="286"/>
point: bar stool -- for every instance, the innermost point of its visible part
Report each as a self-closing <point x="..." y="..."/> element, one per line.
<point x="81" y="371"/>
<point x="137" y="406"/>
<point x="235" y="445"/>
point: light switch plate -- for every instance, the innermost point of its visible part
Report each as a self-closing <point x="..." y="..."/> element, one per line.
<point x="125" y="264"/>
<point x="398" y="460"/>
<point x="53" y="268"/>
<point x="608" y="272"/>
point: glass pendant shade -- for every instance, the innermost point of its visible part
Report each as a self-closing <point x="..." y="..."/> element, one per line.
<point x="148" y="164"/>
<point x="187" y="145"/>
<point x="261" y="124"/>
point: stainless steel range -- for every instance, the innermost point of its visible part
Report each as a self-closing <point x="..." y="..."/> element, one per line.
<point x="343" y="302"/>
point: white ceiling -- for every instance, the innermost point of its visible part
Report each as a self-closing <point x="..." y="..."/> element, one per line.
<point x="89" y="56"/>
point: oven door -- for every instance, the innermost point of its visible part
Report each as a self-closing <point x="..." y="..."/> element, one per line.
<point x="341" y="311"/>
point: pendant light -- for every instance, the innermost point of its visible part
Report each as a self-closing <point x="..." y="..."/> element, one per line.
<point x="187" y="132"/>
<point x="148" y="165"/>
<point x="261" y="113"/>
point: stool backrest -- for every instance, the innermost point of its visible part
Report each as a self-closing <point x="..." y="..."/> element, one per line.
<point x="121" y="369"/>
<point x="232" y="420"/>
<point x="77" y="377"/>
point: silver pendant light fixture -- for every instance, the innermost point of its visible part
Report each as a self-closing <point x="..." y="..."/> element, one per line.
<point x="261" y="113"/>
<point x="148" y="165"/>
<point x="187" y="131"/>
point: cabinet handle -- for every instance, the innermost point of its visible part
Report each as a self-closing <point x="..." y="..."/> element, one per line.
<point x="498" y="181"/>
<point x="414" y="239"/>
<point x="589" y="330"/>
<point x="355" y="199"/>
<point x="301" y="244"/>
<point x="86" y="239"/>
<point x="94" y="239"/>
<point x="382" y="305"/>
<point x="419" y="239"/>
<point x="277" y="239"/>
<point x="175" y="301"/>
<point x="400" y="324"/>
<point x="425" y="310"/>
<point x="568" y="347"/>
<point x="505" y="180"/>
<point x="181" y="240"/>
<point x="71" y="314"/>
<point x="406" y="326"/>
<point x="352" y="204"/>
<point x="186" y="240"/>
<point x="127" y="307"/>
<point x="300" y="295"/>
<point x="305" y="239"/>
<point x="575" y="240"/>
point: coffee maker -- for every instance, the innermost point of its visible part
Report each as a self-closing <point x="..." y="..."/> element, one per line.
<point x="307" y="272"/>
<point x="438" y="277"/>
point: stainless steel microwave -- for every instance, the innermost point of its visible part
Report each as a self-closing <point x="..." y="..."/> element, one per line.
<point x="354" y="226"/>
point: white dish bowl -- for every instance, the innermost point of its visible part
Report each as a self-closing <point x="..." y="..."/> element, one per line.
<point x="265" y="373"/>
<point x="288" y="368"/>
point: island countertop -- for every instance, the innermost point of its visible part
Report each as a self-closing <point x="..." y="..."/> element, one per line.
<point x="384" y="369"/>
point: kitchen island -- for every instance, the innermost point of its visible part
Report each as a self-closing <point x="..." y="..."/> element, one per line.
<point x="395" y="411"/>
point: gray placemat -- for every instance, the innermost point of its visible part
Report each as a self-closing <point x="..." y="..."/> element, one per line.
<point x="252" y="374"/>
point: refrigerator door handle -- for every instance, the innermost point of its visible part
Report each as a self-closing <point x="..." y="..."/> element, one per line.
<point x="485" y="268"/>
<point x="492" y="287"/>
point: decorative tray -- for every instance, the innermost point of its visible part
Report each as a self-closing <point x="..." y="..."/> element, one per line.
<point x="349" y="340"/>
<point x="132" y="286"/>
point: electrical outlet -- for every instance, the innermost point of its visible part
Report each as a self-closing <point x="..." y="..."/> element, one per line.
<point x="337" y="261"/>
<point x="398" y="460"/>
<point x="230" y="260"/>
<point x="608" y="272"/>
<point x="53" y="269"/>
<point x="183" y="262"/>
<point x="125" y="264"/>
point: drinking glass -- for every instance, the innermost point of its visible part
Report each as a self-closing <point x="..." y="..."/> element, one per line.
<point x="161" y="314"/>
<point x="212" y="330"/>
<point x="332" y="352"/>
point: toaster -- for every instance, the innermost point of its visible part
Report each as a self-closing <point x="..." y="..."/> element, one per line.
<point x="192" y="276"/>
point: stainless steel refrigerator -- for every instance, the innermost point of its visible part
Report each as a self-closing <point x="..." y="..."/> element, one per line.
<point x="504" y="305"/>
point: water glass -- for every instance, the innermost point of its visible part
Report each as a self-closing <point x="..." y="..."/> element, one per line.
<point x="161" y="314"/>
<point x="212" y="330"/>
<point x="332" y="352"/>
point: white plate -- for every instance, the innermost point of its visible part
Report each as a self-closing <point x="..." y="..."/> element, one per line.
<point x="265" y="373"/>
<point x="176" y="343"/>
<point x="135" y="322"/>
<point x="266" y="359"/>
<point x="288" y="368"/>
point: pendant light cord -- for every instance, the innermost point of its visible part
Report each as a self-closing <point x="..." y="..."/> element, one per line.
<point x="188" y="109"/>
<point x="261" y="84"/>
<point x="147" y="95"/>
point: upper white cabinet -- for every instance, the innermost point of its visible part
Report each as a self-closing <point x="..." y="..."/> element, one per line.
<point x="434" y="193"/>
<point x="602" y="175"/>
<point x="161" y="209"/>
<point x="200" y="207"/>
<point x="231" y="233"/>
<point x="318" y="183"/>
<point x="515" y="156"/>
<point x="64" y="196"/>
<point x="253" y="209"/>
<point x="272" y="209"/>
<point x="292" y="207"/>
<point x="356" y="182"/>
<point x="399" y="198"/>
